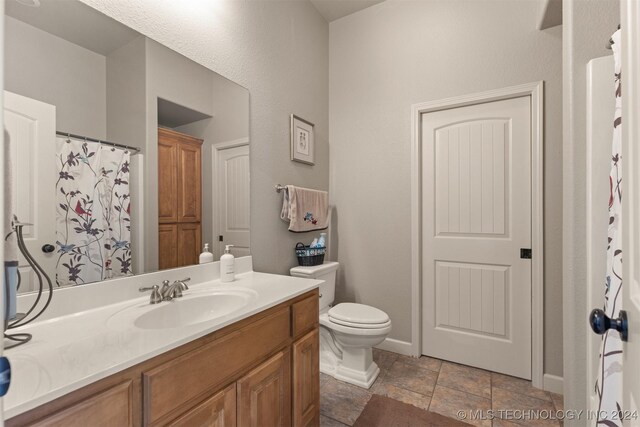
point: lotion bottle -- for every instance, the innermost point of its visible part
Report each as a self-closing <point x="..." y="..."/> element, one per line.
<point x="227" y="265"/>
<point x="206" y="255"/>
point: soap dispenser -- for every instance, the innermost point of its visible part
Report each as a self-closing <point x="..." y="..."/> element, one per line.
<point x="206" y="255"/>
<point x="227" y="265"/>
<point x="322" y="241"/>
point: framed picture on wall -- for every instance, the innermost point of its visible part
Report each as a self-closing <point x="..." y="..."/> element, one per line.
<point x="302" y="140"/>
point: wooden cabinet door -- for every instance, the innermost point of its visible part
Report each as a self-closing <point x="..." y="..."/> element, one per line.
<point x="113" y="407"/>
<point x="189" y="244"/>
<point x="306" y="380"/>
<point x="264" y="395"/>
<point x="217" y="411"/>
<point x="189" y="181"/>
<point x="167" y="246"/>
<point x="167" y="179"/>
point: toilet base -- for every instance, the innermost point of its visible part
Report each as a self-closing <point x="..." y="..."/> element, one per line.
<point x="360" y="378"/>
<point x="351" y="365"/>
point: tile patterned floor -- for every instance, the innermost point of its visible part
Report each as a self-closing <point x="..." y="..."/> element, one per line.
<point x="438" y="386"/>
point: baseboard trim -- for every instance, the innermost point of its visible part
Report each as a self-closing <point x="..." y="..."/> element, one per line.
<point x="396" y="346"/>
<point x="553" y="383"/>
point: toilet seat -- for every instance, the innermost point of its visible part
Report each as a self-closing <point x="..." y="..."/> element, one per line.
<point x="358" y="316"/>
<point x="326" y="322"/>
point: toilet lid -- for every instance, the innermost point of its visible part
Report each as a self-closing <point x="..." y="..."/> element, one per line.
<point x="357" y="314"/>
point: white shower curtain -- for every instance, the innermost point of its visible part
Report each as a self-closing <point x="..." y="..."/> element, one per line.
<point x="93" y="225"/>
<point x="609" y="383"/>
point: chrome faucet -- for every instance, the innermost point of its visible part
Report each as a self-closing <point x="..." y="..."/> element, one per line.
<point x="168" y="292"/>
<point x="174" y="290"/>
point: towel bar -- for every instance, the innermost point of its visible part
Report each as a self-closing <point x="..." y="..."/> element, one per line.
<point x="279" y="187"/>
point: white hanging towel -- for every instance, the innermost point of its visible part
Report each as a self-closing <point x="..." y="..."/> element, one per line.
<point x="305" y="209"/>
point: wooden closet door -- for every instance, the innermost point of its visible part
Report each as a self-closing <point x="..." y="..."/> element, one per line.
<point x="189" y="243"/>
<point x="167" y="246"/>
<point x="189" y="181"/>
<point x="179" y="198"/>
<point x="167" y="179"/>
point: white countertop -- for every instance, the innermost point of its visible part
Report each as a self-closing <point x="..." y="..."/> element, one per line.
<point x="77" y="349"/>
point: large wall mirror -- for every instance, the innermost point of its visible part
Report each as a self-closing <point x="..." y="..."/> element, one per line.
<point x="126" y="156"/>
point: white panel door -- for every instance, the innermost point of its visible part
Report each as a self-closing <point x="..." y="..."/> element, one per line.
<point x="232" y="201"/>
<point x="31" y="127"/>
<point x="631" y="207"/>
<point x="476" y="208"/>
<point x="600" y="106"/>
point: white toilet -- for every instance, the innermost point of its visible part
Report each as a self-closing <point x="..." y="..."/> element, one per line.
<point x="347" y="331"/>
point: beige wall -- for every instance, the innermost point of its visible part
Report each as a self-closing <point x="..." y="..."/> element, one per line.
<point x="52" y="70"/>
<point x="126" y="91"/>
<point x="278" y="50"/>
<point x="390" y="56"/>
<point x="587" y="25"/>
<point x="126" y="123"/>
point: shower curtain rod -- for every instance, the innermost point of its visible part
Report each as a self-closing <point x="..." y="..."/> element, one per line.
<point x="134" y="150"/>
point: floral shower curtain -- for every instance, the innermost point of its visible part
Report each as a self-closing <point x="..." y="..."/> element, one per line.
<point x="609" y="383"/>
<point x="93" y="224"/>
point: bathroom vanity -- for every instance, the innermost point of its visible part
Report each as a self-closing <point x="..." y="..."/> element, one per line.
<point x="257" y="365"/>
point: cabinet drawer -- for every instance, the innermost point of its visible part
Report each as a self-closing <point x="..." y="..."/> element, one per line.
<point x="217" y="411"/>
<point x="305" y="314"/>
<point x="113" y="407"/>
<point x="192" y="375"/>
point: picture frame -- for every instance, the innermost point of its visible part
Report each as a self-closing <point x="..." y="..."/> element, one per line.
<point x="302" y="140"/>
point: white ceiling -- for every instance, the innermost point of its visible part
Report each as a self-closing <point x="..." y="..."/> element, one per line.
<point x="336" y="9"/>
<point x="75" y="22"/>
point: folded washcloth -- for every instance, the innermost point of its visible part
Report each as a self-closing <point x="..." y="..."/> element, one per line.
<point x="305" y="209"/>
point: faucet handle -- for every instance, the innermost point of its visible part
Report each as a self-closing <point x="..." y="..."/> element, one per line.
<point x="183" y="284"/>
<point x="155" y="293"/>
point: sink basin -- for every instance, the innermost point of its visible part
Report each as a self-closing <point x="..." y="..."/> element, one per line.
<point x="189" y="310"/>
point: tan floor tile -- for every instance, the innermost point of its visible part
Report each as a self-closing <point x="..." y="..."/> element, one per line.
<point x="384" y="359"/>
<point x="416" y="399"/>
<point x="465" y="378"/>
<point x="423" y="361"/>
<point x="378" y="380"/>
<point x="330" y="422"/>
<point x="518" y="385"/>
<point x="411" y="377"/>
<point x="341" y="401"/>
<point x="558" y="401"/>
<point x="516" y="404"/>
<point x="497" y="422"/>
<point x="323" y="378"/>
<point x="448" y="402"/>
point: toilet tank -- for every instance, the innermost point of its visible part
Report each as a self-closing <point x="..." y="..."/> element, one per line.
<point x="326" y="272"/>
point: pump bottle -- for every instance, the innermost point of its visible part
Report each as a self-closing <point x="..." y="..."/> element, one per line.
<point x="227" y="265"/>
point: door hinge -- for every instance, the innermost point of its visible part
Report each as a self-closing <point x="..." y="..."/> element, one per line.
<point x="525" y="253"/>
